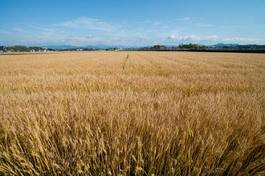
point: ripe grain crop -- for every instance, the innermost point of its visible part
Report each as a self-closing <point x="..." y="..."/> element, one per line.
<point x="132" y="113"/>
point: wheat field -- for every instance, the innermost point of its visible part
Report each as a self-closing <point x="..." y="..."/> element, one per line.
<point x="132" y="113"/>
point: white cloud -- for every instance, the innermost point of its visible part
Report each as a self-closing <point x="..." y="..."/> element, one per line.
<point x="184" y="19"/>
<point x="193" y="38"/>
<point x="242" y="40"/>
<point x="205" y="25"/>
<point x="18" y="29"/>
<point x="210" y="39"/>
<point x="89" y="31"/>
<point x="87" y="23"/>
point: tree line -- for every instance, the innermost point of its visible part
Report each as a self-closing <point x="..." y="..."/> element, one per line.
<point x="181" y="47"/>
<point x="22" y="48"/>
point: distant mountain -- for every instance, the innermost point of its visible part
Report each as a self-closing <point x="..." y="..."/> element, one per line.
<point x="250" y="47"/>
<point x="99" y="46"/>
<point x="225" y="45"/>
<point x="61" y="47"/>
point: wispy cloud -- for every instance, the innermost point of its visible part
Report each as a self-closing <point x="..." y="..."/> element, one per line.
<point x="243" y="40"/>
<point x="205" y="25"/>
<point x="210" y="39"/>
<point x="87" y="23"/>
<point x="18" y="29"/>
<point x="184" y="19"/>
<point x="193" y="38"/>
<point x="89" y="31"/>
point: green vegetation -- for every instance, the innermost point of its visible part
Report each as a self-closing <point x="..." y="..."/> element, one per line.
<point x="193" y="46"/>
<point x="21" y="48"/>
<point x="183" y="47"/>
<point x="211" y="48"/>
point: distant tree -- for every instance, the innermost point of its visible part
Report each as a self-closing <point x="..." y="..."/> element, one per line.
<point x="158" y="47"/>
<point x="36" y="48"/>
<point x="193" y="46"/>
<point x="18" y="48"/>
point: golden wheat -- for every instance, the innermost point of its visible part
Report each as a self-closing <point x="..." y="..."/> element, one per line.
<point x="132" y="113"/>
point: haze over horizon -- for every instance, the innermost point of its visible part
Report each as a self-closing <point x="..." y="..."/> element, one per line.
<point x="131" y="23"/>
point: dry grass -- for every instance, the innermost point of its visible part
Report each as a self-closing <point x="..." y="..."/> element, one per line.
<point x="132" y="113"/>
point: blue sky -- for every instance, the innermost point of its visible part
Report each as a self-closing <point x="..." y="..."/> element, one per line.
<point x="131" y="22"/>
